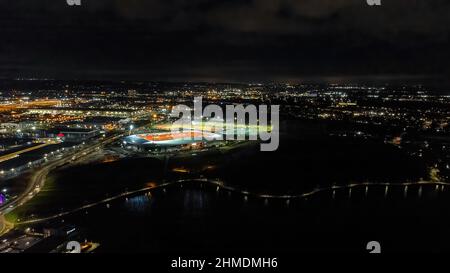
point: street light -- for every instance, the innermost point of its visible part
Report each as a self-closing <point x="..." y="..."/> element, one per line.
<point x="131" y="128"/>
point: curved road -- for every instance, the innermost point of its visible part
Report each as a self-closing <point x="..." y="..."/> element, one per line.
<point x="221" y="185"/>
<point x="38" y="178"/>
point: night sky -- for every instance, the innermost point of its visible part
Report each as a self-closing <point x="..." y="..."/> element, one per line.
<point x="218" y="40"/>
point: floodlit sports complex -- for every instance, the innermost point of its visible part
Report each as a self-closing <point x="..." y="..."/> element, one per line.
<point x="211" y="126"/>
<point x="200" y="135"/>
<point x="169" y="138"/>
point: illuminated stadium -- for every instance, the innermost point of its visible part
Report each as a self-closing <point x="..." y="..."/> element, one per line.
<point x="169" y="139"/>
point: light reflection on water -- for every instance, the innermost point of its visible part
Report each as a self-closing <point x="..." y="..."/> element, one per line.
<point x="137" y="204"/>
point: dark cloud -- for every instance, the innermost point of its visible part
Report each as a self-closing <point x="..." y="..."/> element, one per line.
<point x="247" y="39"/>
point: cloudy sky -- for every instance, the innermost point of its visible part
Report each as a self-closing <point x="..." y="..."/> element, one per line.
<point x="223" y="40"/>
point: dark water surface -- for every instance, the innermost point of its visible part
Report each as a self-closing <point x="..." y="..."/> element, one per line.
<point x="200" y="218"/>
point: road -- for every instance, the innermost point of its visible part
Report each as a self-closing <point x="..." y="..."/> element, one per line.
<point x="15" y="154"/>
<point x="221" y="185"/>
<point x="38" y="179"/>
